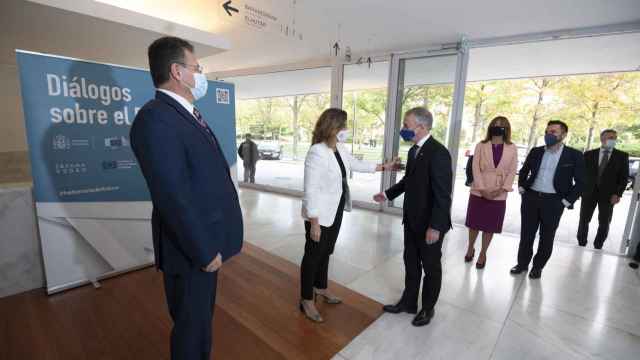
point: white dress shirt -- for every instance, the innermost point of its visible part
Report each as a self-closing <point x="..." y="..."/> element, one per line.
<point x="181" y="100"/>
<point x="419" y="144"/>
<point x="544" y="180"/>
<point x="602" y="151"/>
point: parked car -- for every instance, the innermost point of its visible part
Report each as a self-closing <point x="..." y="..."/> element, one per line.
<point x="270" y="151"/>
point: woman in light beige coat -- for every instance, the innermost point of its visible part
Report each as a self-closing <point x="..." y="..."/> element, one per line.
<point x="495" y="162"/>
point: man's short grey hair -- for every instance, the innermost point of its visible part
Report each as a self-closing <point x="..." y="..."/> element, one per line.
<point x="607" y="131"/>
<point x="422" y="115"/>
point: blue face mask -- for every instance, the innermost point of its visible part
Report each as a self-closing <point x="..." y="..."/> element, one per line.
<point x="407" y="134"/>
<point x="551" y="139"/>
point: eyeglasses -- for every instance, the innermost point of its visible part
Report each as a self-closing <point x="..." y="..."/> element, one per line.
<point x="198" y="68"/>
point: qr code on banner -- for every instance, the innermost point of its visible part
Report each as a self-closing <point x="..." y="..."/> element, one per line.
<point x="222" y="96"/>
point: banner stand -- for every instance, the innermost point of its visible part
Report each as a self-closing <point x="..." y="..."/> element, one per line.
<point x="92" y="203"/>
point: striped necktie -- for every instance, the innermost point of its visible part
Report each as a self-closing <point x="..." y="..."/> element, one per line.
<point x="203" y="124"/>
<point x="603" y="163"/>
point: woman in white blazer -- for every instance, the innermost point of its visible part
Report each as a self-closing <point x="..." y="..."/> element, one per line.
<point x="326" y="196"/>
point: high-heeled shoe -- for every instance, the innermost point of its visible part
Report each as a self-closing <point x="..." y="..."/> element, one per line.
<point x="333" y="300"/>
<point x="468" y="259"/>
<point x="315" y="318"/>
<point x="480" y="266"/>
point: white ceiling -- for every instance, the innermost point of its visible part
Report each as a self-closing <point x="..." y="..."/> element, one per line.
<point x="367" y="26"/>
<point x="562" y="57"/>
<point x="372" y="25"/>
<point x="383" y="25"/>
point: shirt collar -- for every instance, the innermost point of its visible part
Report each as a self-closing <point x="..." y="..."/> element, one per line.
<point x="555" y="152"/>
<point x="181" y="100"/>
<point x="424" y="140"/>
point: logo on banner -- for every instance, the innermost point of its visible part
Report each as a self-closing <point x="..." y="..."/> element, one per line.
<point x="68" y="168"/>
<point x="222" y="96"/>
<point x="61" y="142"/>
<point x="116" y="142"/>
<point x="118" y="164"/>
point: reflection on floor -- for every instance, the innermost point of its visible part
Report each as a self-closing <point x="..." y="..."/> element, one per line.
<point x="288" y="174"/>
<point x="586" y="306"/>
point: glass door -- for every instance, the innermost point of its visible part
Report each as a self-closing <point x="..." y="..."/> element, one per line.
<point x="434" y="81"/>
<point x="364" y="98"/>
<point x="631" y="235"/>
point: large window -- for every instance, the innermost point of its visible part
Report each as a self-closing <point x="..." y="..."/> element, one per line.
<point x="571" y="80"/>
<point x="280" y="110"/>
<point x="425" y="82"/>
<point x="365" y="99"/>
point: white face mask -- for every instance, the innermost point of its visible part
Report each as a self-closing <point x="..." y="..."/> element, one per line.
<point x="342" y="136"/>
<point x="200" y="88"/>
<point x="610" y="144"/>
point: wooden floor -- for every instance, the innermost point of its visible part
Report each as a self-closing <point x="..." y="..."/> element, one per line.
<point x="256" y="317"/>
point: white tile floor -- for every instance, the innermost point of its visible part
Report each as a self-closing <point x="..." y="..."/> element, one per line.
<point x="586" y="306"/>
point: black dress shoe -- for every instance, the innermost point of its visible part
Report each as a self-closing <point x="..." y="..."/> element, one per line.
<point x="535" y="273"/>
<point x="517" y="270"/>
<point x="399" y="308"/>
<point x="633" y="265"/>
<point x="423" y="318"/>
<point x="598" y="246"/>
<point x="582" y="243"/>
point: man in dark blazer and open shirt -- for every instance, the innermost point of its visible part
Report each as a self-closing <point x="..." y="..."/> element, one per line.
<point x="551" y="179"/>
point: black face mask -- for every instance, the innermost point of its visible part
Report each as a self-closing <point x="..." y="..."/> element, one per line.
<point x="497" y="131"/>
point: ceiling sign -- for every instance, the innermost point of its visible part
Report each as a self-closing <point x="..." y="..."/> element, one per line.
<point x="266" y="16"/>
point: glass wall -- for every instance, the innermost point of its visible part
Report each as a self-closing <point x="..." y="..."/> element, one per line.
<point x="586" y="87"/>
<point x="365" y="100"/>
<point x="425" y="82"/>
<point x="279" y="110"/>
<point x="579" y="81"/>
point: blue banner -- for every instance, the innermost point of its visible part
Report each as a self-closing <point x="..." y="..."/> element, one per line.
<point x="78" y="115"/>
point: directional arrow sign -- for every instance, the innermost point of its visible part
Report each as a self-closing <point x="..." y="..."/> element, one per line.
<point x="228" y="8"/>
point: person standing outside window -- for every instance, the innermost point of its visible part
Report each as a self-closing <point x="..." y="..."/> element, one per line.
<point x="248" y="152"/>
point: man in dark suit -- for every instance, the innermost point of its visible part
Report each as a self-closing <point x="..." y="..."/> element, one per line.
<point x="427" y="186"/>
<point x="551" y="179"/>
<point x="607" y="171"/>
<point x="196" y="220"/>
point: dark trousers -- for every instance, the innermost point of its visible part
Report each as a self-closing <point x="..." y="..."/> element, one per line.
<point x="538" y="211"/>
<point x="191" y="298"/>
<point x="605" y="212"/>
<point x="419" y="256"/>
<point x="314" y="271"/>
<point x="250" y="173"/>
<point x="636" y="257"/>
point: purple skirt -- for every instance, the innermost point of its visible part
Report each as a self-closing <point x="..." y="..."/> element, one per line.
<point x="485" y="215"/>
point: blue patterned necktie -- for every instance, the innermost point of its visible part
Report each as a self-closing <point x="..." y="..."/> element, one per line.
<point x="212" y="136"/>
<point x="201" y="121"/>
